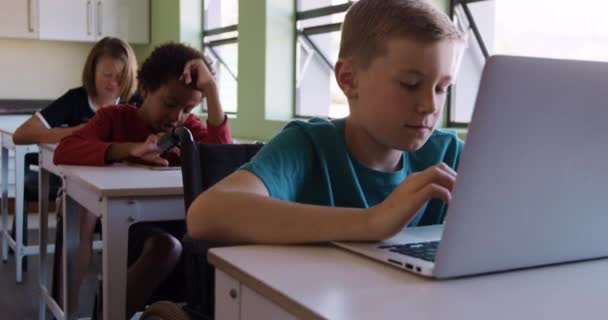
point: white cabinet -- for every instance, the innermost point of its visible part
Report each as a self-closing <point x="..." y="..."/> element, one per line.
<point x="76" y="20"/>
<point x="18" y="19"/>
<point x="125" y="19"/>
<point x="72" y="20"/>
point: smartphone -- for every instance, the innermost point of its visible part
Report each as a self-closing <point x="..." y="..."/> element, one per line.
<point x="168" y="141"/>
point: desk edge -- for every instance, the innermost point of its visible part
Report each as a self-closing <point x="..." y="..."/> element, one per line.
<point x="121" y="193"/>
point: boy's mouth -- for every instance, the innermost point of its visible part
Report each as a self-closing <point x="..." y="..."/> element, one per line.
<point x="418" y="128"/>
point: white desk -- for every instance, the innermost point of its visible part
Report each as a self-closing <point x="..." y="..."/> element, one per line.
<point x="311" y="282"/>
<point x="121" y="196"/>
<point x="8" y="125"/>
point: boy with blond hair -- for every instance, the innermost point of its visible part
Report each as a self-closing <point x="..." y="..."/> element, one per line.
<point x="365" y="177"/>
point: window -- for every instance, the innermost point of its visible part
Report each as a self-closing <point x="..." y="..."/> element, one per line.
<point x="318" y="28"/>
<point x="555" y="29"/>
<point x="220" y="36"/>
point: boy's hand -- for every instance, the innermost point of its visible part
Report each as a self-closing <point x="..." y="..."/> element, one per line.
<point x="391" y="215"/>
<point x="176" y="151"/>
<point x="149" y="151"/>
<point x="197" y="75"/>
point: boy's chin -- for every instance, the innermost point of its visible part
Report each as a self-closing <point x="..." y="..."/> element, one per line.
<point x="412" y="145"/>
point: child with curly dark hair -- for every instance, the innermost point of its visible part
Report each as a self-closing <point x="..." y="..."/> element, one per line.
<point x="172" y="81"/>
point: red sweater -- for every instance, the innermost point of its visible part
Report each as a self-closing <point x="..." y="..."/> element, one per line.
<point x="121" y="123"/>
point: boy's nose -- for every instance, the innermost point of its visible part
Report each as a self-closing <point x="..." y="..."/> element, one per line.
<point x="427" y="104"/>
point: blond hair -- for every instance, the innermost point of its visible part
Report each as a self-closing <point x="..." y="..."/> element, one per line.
<point x="369" y="24"/>
<point x="116" y="49"/>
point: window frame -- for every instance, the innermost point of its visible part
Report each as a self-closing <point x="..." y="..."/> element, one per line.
<point x="450" y="101"/>
<point x="212" y="44"/>
<point x="306" y="33"/>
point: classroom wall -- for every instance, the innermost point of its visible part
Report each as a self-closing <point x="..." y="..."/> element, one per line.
<point x="34" y="69"/>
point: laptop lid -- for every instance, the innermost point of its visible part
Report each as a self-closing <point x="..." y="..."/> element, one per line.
<point x="532" y="185"/>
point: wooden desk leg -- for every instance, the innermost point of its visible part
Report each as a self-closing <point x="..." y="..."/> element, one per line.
<point x="115" y="244"/>
<point x="5" y="226"/>
<point x="71" y="243"/>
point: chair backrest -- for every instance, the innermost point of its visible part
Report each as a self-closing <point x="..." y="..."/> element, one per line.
<point x="203" y="165"/>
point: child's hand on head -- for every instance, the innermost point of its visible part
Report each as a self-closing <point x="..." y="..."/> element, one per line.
<point x="391" y="215"/>
<point x="197" y="74"/>
<point x="149" y="151"/>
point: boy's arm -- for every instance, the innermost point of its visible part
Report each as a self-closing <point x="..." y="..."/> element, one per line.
<point x="33" y="131"/>
<point x="88" y="145"/>
<point x="238" y="209"/>
<point x="197" y="74"/>
<point x="215" y="113"/>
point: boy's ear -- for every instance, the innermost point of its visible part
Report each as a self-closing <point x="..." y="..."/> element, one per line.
<point x="346" y="77"/>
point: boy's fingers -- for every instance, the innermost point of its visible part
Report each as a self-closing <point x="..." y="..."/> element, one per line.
<point x="434" y="191"/>
<point x="152" y="136"/>
<point x="434" y="174"/>
<point x="186" y="77"/>
<point x="161" y="161"/>
<point x="444" y="166"/>
<point x="150" y="146"/>
<point x="417" y="200"/>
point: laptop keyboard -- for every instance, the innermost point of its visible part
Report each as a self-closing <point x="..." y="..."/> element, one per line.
<point x="421" y="250"/>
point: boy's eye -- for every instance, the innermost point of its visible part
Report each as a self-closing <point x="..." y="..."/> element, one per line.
<point x="409" y="85"/>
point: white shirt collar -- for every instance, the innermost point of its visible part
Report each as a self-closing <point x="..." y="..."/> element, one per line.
<point x="93" y="106"/>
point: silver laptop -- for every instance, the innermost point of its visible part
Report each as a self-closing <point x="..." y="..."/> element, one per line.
<point x="532" y="185"/>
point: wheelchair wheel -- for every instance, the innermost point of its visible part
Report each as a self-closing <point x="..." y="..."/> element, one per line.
<point x="164" y="310"/>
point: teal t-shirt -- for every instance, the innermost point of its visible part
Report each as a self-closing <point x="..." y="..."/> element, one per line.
<point x="309" y="162"/>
